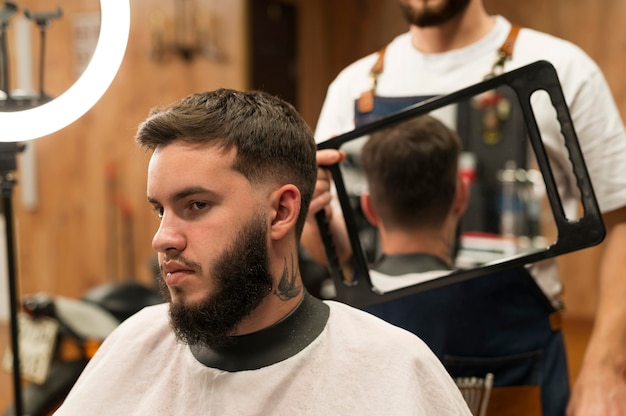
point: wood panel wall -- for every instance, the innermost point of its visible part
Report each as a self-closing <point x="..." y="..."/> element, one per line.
<point x="64" y="243"/>
<point x="90" y="175"/>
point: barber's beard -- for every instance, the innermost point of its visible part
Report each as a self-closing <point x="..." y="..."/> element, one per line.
<point x="429" y="16"/>
<point x="242" y="280"/>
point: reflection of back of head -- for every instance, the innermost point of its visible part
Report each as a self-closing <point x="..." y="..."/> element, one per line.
<point x="411" y="169"/>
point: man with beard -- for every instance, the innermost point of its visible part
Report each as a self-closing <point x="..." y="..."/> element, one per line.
<point x="230" y="177"/>
<point x="452" y="44"/>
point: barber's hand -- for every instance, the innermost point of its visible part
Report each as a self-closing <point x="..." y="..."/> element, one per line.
<point x="322" y="195"/>
<point x="322" y="198"/>
<point x="598" y="392"/>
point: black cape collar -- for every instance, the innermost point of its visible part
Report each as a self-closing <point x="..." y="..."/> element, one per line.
<point x="271" y="345"/>
<point x="399" y="264"/>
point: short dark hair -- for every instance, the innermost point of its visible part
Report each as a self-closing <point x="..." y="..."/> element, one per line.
<point x="272" y="140"/>
<point x="411" y="169"/>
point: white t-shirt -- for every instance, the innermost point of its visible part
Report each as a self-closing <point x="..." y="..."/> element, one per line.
<point x="385" y="283"/>
<point x="600" y="131"/>
<point x="358" y="365"/>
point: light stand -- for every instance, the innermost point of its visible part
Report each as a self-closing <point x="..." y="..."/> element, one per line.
<point x="42" y="20"/>
<point x="34" y="121"/>
<point x="5" y="14"/>
<point x="8" y="164"/>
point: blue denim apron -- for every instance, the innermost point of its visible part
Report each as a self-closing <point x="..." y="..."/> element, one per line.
<point x="500" y="323"/>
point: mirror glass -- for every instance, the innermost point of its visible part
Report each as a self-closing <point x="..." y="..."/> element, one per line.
<point x="44" y="48"/>
<point x="508" y="213"/>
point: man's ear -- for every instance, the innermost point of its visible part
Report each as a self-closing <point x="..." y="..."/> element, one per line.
<point x="461" y="196"/>
<point x="368" y="209"/>
<point x="285" y="208"/>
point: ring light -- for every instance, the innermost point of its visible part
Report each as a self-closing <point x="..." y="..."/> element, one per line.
<point x="16" y="126"/>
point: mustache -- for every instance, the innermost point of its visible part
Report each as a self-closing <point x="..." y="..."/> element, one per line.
<point x="196" y="267"/>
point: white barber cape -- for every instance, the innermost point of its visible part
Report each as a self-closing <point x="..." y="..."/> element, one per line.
<point x="358" y="365"/>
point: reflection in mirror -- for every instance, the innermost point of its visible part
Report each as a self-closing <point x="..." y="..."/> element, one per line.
<point x="504" y="216"/>
<point x="506" y="212"/>
<point x="513" y="216"/>
<point x="44" y="48"/>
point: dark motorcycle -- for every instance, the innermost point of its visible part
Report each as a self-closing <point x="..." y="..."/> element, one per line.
<point x="81" y="326"/>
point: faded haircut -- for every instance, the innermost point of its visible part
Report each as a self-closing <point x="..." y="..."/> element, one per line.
<point x="411" y="169"/>
<point x="272" y="141"/>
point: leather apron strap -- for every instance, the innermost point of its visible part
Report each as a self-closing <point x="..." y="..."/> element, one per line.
<point x="366" y="100"/>
<point x="505" y="53"/>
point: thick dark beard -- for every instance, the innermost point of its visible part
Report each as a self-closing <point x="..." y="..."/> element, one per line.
<point x="242" y="281"/>
<point x="434" y="17"/>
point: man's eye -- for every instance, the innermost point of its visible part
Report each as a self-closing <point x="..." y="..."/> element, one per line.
<point x="158" y="211"/>
<point x="199" y="205"/>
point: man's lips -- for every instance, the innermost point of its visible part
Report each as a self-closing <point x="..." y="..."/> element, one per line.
<point x="174" y="273"/>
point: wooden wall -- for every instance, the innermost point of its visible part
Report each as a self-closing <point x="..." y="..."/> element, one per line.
<point x="64" y="243"/>
<point x="69" y="242"/>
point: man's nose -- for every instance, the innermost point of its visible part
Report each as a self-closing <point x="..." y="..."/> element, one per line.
<point x="169" y="236"/>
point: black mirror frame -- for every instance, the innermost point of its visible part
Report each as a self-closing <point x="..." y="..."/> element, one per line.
<point x="586" y="231"/>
